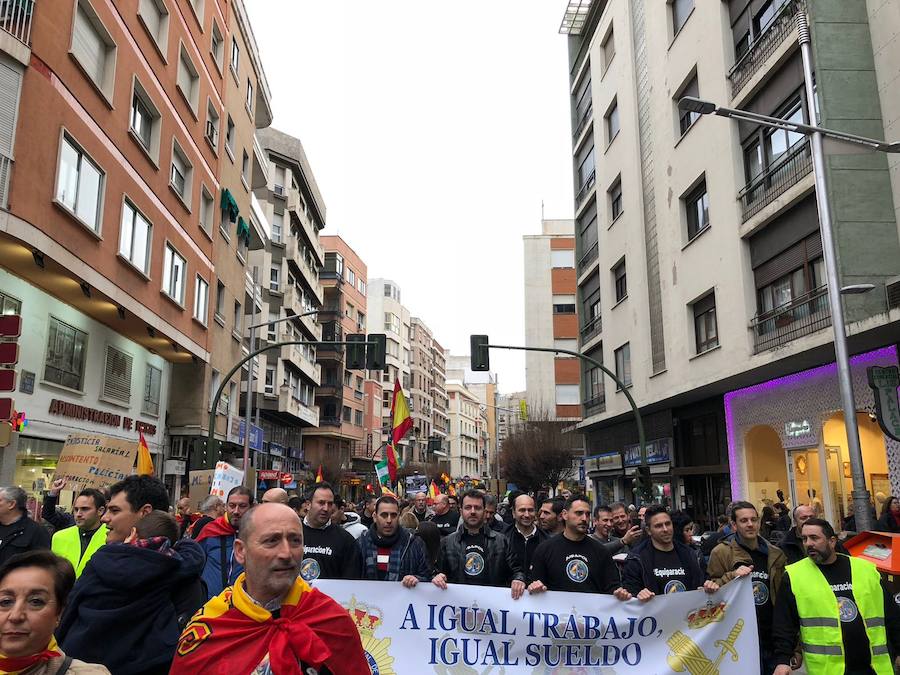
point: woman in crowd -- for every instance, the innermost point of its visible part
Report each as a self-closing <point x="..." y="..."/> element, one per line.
<point x="890" y="516"/>
<point x="409" y="521"/>
<point x="34" y="587"/>
<point x="683" y="528"/>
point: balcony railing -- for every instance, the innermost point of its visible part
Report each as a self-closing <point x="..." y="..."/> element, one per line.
<point x="764" y="45"/>
<point x="777" y="179"/>
<point x="15" y="18"/>
<point x="595" y="405"/>
<point x="583" y="122"/>
<point x="583" y="192"/>
<point x="589" y="257"/>
<point x="332" y="275"/>
<point x="801" y="316"/>
<point x="592" y="328"/>
<point x="329" y="421"/>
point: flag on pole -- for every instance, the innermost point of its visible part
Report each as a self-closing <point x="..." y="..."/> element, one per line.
<point x="319" y="477"/>
<point x="392" y="462"/>
<point x="433" y="491"/>
<point x="386" y="492"/>
<point x="144" y="460"/>
<point x="401" y="422"/>
<point x="381" y="470"/>
<point x="445" y="478"/>
<point x="451" y="490"/>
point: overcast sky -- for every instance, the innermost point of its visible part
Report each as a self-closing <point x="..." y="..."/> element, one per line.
<point x="435" y="130"/>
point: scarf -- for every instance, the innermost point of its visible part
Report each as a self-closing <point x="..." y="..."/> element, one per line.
<point x="384" y="542"/>
<point x="220" y="527"/>
<point x="233" y="634"/>
<point x="10" y="665"/>
<point x="158" y="544"/>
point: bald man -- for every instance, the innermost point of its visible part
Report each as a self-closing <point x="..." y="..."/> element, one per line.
<point x="275" y="496"/>
<point x="420" y="506"/>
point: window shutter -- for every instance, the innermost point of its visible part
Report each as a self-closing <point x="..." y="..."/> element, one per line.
<point x="9" y="105"/>
<point x="184" y="76"/>
<point x="151" y="391"/>
<point x="150" y="14"/>
<point x="89" y="46"/>
<point x="117" y="378"/>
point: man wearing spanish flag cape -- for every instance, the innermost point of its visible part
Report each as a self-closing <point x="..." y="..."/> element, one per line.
<point x="270" y="622"/>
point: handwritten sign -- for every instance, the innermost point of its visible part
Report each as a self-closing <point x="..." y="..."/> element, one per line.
<point x="224" y="479"/>
<point x="200" y="486"/>
<point x="93" y="461"/>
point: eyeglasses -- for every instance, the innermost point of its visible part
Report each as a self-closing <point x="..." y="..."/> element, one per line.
<point x="35" y="603"/>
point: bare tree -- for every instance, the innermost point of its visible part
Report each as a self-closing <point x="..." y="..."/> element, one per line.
<point x="539" y="454"/>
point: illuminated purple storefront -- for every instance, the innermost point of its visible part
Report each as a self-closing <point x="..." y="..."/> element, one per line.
<point x="787" y="435"/>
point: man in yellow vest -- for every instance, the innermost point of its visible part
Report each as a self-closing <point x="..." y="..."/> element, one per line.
<point x="846" y="620"/>
<point x="78" y="543"/>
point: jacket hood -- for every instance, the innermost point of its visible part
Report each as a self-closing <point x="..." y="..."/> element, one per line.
<point x="350" y="518"/>
<point x="126" y="567"/>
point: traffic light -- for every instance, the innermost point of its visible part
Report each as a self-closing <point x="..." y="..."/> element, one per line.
<point x="642" y="483"/>
<point x="481" y="360"/>
<point x="376" y="353"/>
<point x="356" y="353"/>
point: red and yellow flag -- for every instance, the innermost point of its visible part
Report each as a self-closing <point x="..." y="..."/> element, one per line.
<point x="385" y="491"/>
<point x="144" y="460"/>
<point x="451" y="490"/>
<point x="401" y="422"/>
<point x="433" y="491"/>
<point x="393" y="462"/>
<point x="319" y="478"/>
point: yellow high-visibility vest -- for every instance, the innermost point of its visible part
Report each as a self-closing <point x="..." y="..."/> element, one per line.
<point x="820" y="616"/>
<point x="67" y="544"/>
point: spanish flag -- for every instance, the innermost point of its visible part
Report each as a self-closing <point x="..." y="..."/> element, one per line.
<point x="385" y="491"/>
<point x="319" y="478"/>
<point x="144" y="461"/>
<point x="401" y="422"/>
<point x="393" y="462"/>
<point x="433" y="491"/>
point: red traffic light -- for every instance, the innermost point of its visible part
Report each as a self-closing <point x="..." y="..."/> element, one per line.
<point x="10" y="325"/>
<point x="6" y="409"/>
<point x="7" y="379"/>
<point x="9" y="353"/>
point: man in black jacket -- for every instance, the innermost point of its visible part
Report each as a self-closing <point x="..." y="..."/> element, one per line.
<point x="661" y="564"/>
<point x="329" y="551"/>
<point x="443" y="517"/>
<point x="390" y="552"/>
<point x="18" y="532"/>
<point x="792" y="544"/>
<point x="476" y="554"/>
<point x="524" y="536"/>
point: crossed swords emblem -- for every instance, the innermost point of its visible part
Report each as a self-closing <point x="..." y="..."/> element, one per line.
<point x="687" y="656"/>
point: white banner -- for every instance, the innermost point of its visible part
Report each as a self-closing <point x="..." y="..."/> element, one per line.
<point x="224" y="479"/>
<point x="476" y="630"/>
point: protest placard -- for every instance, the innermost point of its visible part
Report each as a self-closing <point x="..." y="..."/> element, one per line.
<point x="225" y="478"/>
<point x="199" y="486"/>
<point x="480" y="630"/>
<point x="93" y="461"/>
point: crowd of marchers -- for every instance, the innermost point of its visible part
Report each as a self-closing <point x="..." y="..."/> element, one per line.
<point x="124" y="586"/>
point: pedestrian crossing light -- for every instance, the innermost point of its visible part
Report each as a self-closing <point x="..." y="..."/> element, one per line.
<point x="642" y="483"/>
<point x="356" y="352"/>
<point x="376" y="353"/>
<point x="481" y="361"/>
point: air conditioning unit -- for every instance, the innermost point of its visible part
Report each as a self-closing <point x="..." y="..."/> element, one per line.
<point x="211" y="132"/>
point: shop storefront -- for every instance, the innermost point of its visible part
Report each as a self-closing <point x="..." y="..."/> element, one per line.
<point x="787" y="440"/>
<point x="659" y="458"/>
<point x="604" y="473"/>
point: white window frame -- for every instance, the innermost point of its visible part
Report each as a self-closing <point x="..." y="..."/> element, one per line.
<point x="187" y="174"/>
<point x="201" y="300"/>
<point x="67" y="138"/>
<point x="207" y="211"/>
<point x="192" y="96"/>
<point x="147" y="400"/>
<point x="168" y="260"/>
<point x="106" y="86"/>
<point x="235" y="61"/>
<point x="217" y="54"/>
<point x="84" y="352"/>
<point x="144" y="266"/>
<point x="160" y="40"/>
<point x="248" y="103"/>
<point x="211" y="128"/>
<point x="151" y="147"/>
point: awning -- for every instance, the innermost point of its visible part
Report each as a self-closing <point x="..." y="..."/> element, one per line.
<point x="243" y="230"/>
<point x="229" y="205"/>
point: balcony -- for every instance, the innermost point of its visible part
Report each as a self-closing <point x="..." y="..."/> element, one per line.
<point x="801" y="316"/>
<point x="583" y="122"/>
<point x="594" y="405"/>
<point x="331" y="275"/>
<point x="785" y="172"/>
<point x="298" y="211"/>
<point x="15" y="22"/>
<point x="293" y="252"/>
<point x="781" y="27"/>
<point x="330" y="422"/>
<point x="585" y="189"/>
<point x="592" y="328"/>
<point x="330" y="389"/>
<point x="590" y="256"/>
<point x="290" y="404"/>
<point x="294" y="354"/>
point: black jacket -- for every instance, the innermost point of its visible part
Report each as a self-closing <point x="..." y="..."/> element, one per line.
<point x="887" y="523"/>
<point x="502" y="565"/>
<point x="637" y="572"/>
<point x="21" y="536"/>
<point x="50" y="514"/>
<point x="408" y="557"/>
<point x="793" y="547"/>
<point x="523" y="549"/>
<point x="129" y="606"/>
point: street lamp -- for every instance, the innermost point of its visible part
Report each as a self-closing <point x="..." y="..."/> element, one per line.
<point x="860" y="494"/>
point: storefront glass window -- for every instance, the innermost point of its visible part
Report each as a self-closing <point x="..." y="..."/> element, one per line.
<point x="35" y="466"/>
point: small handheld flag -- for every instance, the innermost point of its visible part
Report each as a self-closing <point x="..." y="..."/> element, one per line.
<point x="144" y="460"/>
<point x="319" y="477"/>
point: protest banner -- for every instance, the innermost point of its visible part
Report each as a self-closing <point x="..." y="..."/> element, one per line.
<point x="225" y="477"/>
<point x="93" y="461"/>
<point x="199" y="486"/>
<point x="478" y="630"/>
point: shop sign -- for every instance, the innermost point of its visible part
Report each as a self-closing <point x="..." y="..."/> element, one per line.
<point x="93" y="461"/>
<point x="267" y="474"/>
<point x="175" y="467"/>
<point x="797" y="429"/>
<point x="609" y="461"/>
<point x="884" y="383"/>
<point x="276" y="449"/>
<point x="237" y="434"/>
<point x="81" y="412"/>
<point x="287" y="478"/>
<point x="658" y="452"/>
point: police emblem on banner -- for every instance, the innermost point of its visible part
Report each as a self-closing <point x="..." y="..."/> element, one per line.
<point x="685" y="655"/>
<point x="760" y="592"/>
<point x="309" y="569"/>
<point x="847" y="609"/>
<point x="474" y="563"/>
<point x="367" y="620"/>
<point x="577" y="570"/>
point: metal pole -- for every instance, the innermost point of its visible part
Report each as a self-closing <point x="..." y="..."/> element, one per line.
<point x="248" y="406"/>
<point x="859" y="494"/>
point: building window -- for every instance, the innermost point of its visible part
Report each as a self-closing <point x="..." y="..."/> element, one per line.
<point x="681" y="10"/>
<point x="620" y="280"/>
<point x="767" y="146"/>
<point x="696" y="204"/>
<point x="612" y="122"/>
<point x="249" y="102"/>
<point x="351" y="277"/>
<point x="152" y="382"/>
<point x="562" y="258"/>
<point x="245" y="168"/>
<point x="174" y="269"/>
<point x="117" y="376"/>
<point x="615" y="199"/>
<point x="80" y="184"/>
<point x="155" y="17"/>
<point x="623" y="364"/>
<point x="361" y="287"/>
<point x="9" y="305"/>
<point x="207" y="210"/>
<point x="237" y="317"/>
<point x="201" y="300"/>
<point x="609" y="48"/>
<point x="181" y="174"/>
<point x="217" y="46"/>
<point x="135" y="237"/>
<point x="197" y="6"/>
<point x="93" y="48"/>
<point x="567" y="394"/>
<point x="347" y="414"/>
<point x="586" y="167"/>
<point x="269" y="386"/>
<point x="686" y="118"/>
<point x="705" y="330"/>
<point x="358" y="418"/>
<point x="66" y="352"/>
<point x="392" y="323"/>
<point x="220" y="301"/>
<point x="235" y="56"/>
<point x="229" y="137"/>
<point x="272" y="326"/>
<point x="565" y="343"/>
<point x="188" y="80"/>
<point x="144" y="123"/>
<point x="563" y="304"/>
<point x="275" y="279"/>
<point x="584" y="104"/>
<point x="277" y="226"/>
<point x="212" y="125"/>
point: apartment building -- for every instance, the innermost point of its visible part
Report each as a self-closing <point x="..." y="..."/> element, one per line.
<point x="466" y="424"/>
<point x="699" y="262"/>
<point x="287" y="271"/>
<point x="421" y="384"/>
<point x="440" y="420"/>
<point x="341" y="437"/>
<point x="512" y="410"/>
<point x="552" y="381"/>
